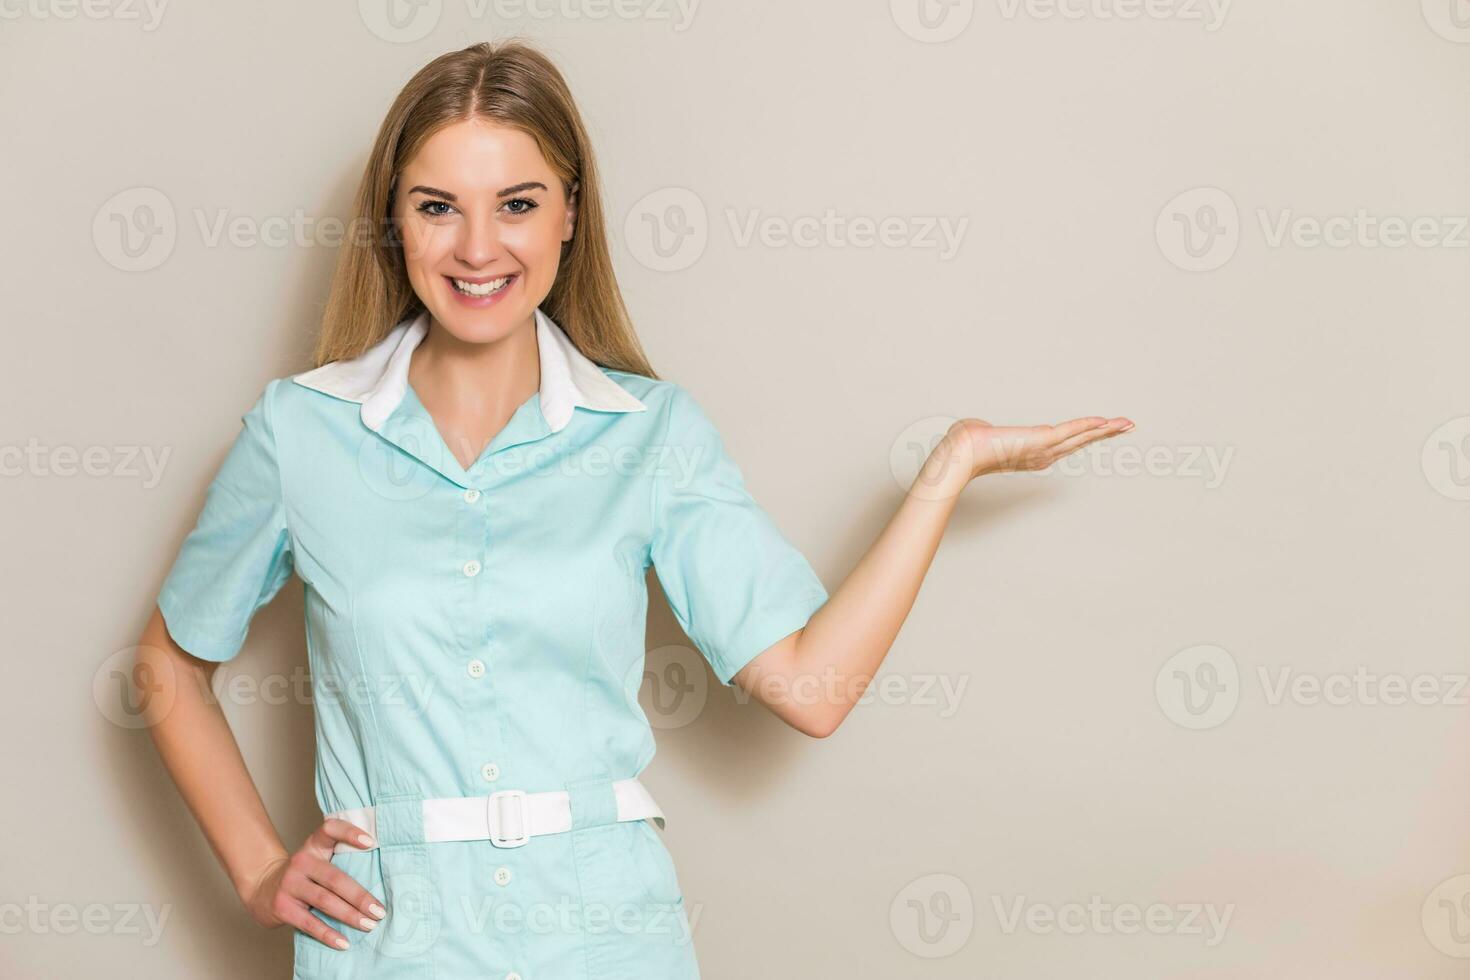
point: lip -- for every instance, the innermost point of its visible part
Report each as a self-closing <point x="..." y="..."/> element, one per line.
<point x="481" y="279"/>
<point x="480" y="302"/>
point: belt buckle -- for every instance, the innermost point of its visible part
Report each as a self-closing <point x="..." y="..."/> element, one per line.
<point x="496" y="812"/>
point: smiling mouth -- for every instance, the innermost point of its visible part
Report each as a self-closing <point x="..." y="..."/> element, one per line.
<point x="480" y="288"/>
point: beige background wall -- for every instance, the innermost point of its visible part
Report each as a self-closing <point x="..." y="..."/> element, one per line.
<point x="1215" y="668"/>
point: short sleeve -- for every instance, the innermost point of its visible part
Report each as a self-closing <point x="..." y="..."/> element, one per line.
<point x="238" y="554"/>
<point x="733" y="580"/>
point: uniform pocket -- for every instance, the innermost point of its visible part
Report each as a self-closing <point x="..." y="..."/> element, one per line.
<point x="399" y="878"/>
<point x="412" y="899"/>
<point x="655" y="865"/>
<point x="633" y="912"/>
<point x="314" y="960"/>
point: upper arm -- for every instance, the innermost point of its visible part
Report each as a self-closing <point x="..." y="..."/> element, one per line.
<point x="238" y="554"/>
<point x="735" y="582"/>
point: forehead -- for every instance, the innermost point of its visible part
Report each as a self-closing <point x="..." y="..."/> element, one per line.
<point x="478" y="154"/>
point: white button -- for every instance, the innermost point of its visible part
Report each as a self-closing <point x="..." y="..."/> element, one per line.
<point x="490" y="771"/>
<point x="471" y="495"/>
<point x="502" y="876"/>
<point x="472" y="568"/>
<point x="476" y="668"/>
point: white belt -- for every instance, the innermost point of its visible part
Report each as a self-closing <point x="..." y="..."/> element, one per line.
<point x="508" y="818"/>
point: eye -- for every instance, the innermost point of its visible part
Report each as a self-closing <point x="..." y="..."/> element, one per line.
<point x="427" y="206"/>
<point x="530" y="205"/>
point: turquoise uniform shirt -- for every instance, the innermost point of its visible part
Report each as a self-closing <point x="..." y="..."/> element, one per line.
<point x="481" y="629"/>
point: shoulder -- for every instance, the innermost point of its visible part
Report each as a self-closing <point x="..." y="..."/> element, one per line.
<point x="671" y="407"/>
<point x="260" y="414"/>
<point x="292" y="402"/>
<point x="287" y="417"/>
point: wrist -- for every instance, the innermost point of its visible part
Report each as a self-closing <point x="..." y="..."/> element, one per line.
<point x="247" y="881"/>
<point x="946" y="471"/>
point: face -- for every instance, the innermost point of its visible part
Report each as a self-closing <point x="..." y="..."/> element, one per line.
<point x="482" y="218"/>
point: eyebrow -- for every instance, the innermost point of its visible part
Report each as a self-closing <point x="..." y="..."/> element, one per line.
<point x="515" y="189"/>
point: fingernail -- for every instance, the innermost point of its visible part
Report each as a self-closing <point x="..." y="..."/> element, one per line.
<point x="366" y="841"/>
<point x="377" y="910"/>
<point x="339" y="942"/>
<point x="1126" y="427"/>
<point x="366" y="923"/>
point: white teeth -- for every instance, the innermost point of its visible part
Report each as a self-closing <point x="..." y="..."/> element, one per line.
<point x="480" y="288"/>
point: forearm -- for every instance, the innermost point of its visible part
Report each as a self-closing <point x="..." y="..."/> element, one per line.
<point x="845" y="642"/>
<point x="199" y="750"/>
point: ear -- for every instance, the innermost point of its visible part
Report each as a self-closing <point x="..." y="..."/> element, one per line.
<point x="570" y="224"/>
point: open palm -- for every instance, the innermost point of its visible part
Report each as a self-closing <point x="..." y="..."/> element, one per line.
<point x="974" y="447"/>
<point x="997" y="449"/>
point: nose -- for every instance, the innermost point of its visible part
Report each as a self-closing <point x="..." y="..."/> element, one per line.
<point x="479" y="242"/>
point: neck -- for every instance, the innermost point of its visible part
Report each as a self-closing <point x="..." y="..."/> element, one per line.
<point x="486" y="378"/>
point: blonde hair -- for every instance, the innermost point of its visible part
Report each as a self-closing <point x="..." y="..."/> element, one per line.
<point x="515" y="85"/>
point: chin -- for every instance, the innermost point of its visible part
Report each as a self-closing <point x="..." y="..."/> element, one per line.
<point x="478" y="328"/>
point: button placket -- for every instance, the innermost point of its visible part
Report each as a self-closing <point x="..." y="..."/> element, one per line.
<point x="483" y="743"/>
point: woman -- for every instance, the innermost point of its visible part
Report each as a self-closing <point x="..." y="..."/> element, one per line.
<point x="471" y="484"/>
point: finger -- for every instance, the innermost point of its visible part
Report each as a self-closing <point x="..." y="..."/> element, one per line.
<point x="1111" y="427"/>
<point x="350" y="890"/>
<point x="321" y="897"/>
<point x="1063" y="431"/>
<point x="323" y="841"/>
<point x="302" y="919"/>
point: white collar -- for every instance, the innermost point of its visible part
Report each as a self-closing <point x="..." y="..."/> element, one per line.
<point x="378" y="377"/>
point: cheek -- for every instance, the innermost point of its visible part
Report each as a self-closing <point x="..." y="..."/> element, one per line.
<point x="425" y="246"/>
<point x="537" y="247"/>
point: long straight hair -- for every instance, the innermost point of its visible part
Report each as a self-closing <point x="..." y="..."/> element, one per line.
<point x="514" y="85"/>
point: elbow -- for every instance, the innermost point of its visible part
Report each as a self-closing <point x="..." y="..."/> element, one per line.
<point x="821" y="724"/>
